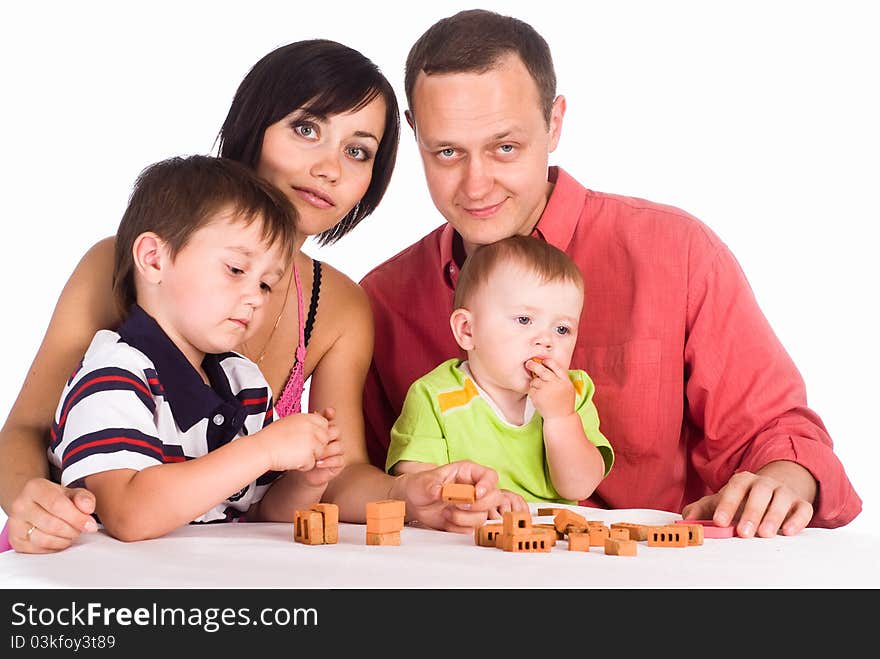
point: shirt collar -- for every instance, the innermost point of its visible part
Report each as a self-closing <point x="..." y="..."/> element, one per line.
<point x="191" y="400"/>
<point x="556" y="225"/>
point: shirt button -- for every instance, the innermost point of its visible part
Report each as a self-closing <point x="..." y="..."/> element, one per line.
<point x="218" y="419"/>
<point x="451" y="269"/>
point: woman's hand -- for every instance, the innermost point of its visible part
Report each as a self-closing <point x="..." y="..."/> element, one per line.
<point x="46" y="517"/>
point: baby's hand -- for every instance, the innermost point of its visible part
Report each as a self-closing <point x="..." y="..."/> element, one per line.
<point x="551" y="390"/>
<point x="504" y="501"/>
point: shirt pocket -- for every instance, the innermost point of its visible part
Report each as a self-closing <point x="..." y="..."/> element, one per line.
<point x="627" y="398"/>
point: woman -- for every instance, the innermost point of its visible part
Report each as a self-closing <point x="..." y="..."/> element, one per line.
<point x="320" y="121"/>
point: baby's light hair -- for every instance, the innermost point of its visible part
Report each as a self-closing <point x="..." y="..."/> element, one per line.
<point x="549" y="263"/>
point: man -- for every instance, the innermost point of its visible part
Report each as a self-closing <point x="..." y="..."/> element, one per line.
<point x="706" y="411"/>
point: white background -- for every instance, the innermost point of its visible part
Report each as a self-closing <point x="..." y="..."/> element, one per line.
<point x="760" y="118"/>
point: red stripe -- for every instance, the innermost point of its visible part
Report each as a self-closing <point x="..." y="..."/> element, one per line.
<point x="255" y="401"/>
<point x="112" y="440"/>
<point x="107" y="378"/>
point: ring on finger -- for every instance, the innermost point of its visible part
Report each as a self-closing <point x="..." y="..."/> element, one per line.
<point x="31" y="530"/>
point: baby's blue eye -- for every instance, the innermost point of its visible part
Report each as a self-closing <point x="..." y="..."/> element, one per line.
<point x="563" y="330"/>
<point x="523" y="320"/>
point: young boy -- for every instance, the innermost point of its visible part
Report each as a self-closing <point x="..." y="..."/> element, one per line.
<point x="161" y="420"/>
<point x="513" y="405"/>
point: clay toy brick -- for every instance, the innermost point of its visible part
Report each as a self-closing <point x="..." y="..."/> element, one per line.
<point x="330" y="515"/>
<point x="618" y="547"/>
<point x="549" y="531"/>
<point x="458" y="493"/>
<point x="548" y="511"/>
<point x="484" y="535"/>
<point x="695" y="533"/>
<point x="637" y="532"/>
<point x="579" y="541"/>
<point x="671" y="535"/>
<point x="710" y="529"/>
<point x="551" y="527"/>
<point x="308" y="527"/>
<point x="516" y="523"/>
<point x="386" y="508"/>
<point x="532" y="542"/>
<point x="387" y="525"/>
<point x="385" y="539"/>
<point x="618" y="533"/>
<point x="566" y="518"/>
<point x="598" y="535"/>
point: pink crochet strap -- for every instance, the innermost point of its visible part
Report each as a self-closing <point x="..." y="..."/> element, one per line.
<point x="290" y="401"/>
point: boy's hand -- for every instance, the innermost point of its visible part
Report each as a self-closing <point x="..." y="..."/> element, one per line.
<point x="551" y="389"/>
<point x="331" y="461"/>
<point x="57" y="515"/>
<point x="297" y="442"/>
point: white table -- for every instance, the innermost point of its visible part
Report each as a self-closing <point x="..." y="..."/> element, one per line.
<point x="212" y="556"/>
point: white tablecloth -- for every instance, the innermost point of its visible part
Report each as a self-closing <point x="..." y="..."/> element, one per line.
<point x="265" y="556"/>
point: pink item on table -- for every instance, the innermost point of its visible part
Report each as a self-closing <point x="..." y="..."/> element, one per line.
<point x="4" y="538"/>
<point x="710" y="528"/>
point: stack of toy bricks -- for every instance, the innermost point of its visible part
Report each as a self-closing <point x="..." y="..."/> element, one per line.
<point x="319" y="525"/>
<point x="384" y="521"/>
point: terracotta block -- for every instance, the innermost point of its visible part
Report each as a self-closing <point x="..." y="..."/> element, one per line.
<point x="384" y="525"/>
<point x="458" y="493"/>
<point x="618" y="534"/>
<point x="548" y="511"/>
<point x="516" y="523"/>
<point x="330" y="514"/>
<point x="579" y="542"/>
<point x="484" y="535"/>
<point x="386" y="508"/>
<point x="695" y="533"/>
<point x="535" y="542"/>
<point x="549" y="532"/>
<point x="598" y="535"/>
<point x="671" y="535"/>
<point x="617" y="547"/>
<point x="384" y="539"/>
<point x="551" y="527"/>
<point x="565" y="518"/>
<point x="636" y="531"/>
<point x="308" y="527"/>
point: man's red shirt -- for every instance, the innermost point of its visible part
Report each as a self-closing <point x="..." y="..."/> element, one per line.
<point x="692" y="385"/>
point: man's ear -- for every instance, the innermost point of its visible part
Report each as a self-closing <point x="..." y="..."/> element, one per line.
<point x="557" y="114"/>
<point x="461" y="322"/>
<point x="150" y="255"/>
<point x="410" y="119"/>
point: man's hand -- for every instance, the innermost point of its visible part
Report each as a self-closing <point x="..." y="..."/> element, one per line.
<point x="47" y="517"/>
<point x="778" y="497"/>
<point x="422" y="493"/>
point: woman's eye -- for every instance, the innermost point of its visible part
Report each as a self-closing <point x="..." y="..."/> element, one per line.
<point x="235" y="271"/>
<point x="306" y="130"/>
<point x="265" y="287"/>
<point x="359" y="153"/>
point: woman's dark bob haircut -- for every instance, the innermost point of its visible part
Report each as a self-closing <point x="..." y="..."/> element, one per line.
<point x="323" y="78"/>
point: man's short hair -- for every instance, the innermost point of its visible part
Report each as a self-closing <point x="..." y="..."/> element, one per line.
<point x="176" y="197"/>
<point x="473" y="41"/>
<point x="548" y="263"/>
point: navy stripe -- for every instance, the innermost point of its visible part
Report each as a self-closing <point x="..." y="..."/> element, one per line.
<point x="112" y="440"/>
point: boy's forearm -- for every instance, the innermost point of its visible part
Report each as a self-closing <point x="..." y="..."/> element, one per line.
<point x="157" y="500"/>
<point x="576" y="466"/>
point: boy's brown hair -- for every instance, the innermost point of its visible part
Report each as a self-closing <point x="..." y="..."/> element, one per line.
<point x="549" y="264"/>
<point x="473" y="41"/>
<point x="176" y="197"/>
